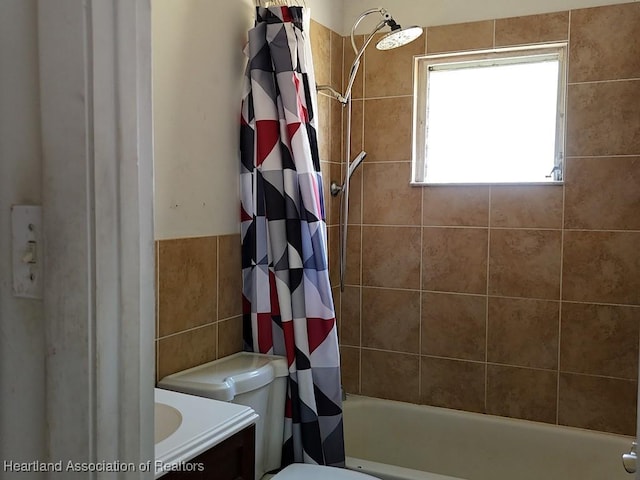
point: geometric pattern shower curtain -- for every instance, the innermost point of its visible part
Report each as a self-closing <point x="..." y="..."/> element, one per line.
<point x="287" y="302"/>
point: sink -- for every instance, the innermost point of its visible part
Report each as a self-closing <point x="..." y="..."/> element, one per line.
<point x="167" y="421"/>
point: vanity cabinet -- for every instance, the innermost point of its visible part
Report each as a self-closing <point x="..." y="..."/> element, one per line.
<point x="232" y="459"/>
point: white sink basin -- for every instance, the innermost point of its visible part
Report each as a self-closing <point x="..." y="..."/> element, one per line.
<point x="167" y="421"/>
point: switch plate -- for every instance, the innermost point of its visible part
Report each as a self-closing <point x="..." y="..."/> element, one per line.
<point x="26" y="250"/>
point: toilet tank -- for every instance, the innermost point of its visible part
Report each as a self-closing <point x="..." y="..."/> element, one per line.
<point x="255" y="380"/>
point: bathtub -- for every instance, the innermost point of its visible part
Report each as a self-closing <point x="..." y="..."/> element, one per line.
<point x="401" y="441"/>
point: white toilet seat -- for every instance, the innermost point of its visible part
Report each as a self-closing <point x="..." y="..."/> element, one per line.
<point x="303" y="471"/>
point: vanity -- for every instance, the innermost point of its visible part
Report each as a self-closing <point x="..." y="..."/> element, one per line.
<point x="198" y="438"/>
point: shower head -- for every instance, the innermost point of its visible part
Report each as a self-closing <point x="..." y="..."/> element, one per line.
<point x="398" y="37"/>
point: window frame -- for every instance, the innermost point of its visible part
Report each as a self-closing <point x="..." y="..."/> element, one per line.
<point x="421" y="69"/>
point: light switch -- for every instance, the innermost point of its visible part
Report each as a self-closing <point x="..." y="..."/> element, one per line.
<point x="26" y="245"/>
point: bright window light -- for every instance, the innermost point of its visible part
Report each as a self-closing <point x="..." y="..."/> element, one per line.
<point x="490" y="117"/>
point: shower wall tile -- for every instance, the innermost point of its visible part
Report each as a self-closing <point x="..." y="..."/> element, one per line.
<point x="525" y="263"/>
<point x="391" y="257"/>
<point x="455" y="206"/>
<point x="230" y="276"/>
<point x="336" y="61"/>
<point x="187" y="295"/>
<point x="548" y="27"/>
<point x="604" y="43"/>
<point x="601" y="267"/>
<point x="453" y="384"/>
<point x="603" y="118"/>
<point x="391" y="320"/>
<point x="350" y="369"/>
<point x="523" y="332"/>
<point x="386" y="201"/>
<point x="526" y="206"/>
<point x="600" y="340"/>
<point x="388" y="129"/>
<point x="357" y="127"/>
<point x="355" y="196"/>
<point x="321" y="48"/>
<point x="332" y="204"/>
<point x="596" y="403"/>
<point x="350" y="316"/>
<point x="333" y="239"/>
<point x="354" y="255"/>
<point x="357" y="91"/>
<point x="394" y="376"/>
<point x="490" y="289"/>
<point x="324" y="127"/>
<point x="594" y="204"/>
<point x="397" y="65"/>
<point x="336" y="138"/>
<point x="454" y="325"/>
<point x="522" y="393"/>
<point x="185" y="350"/>
<point x="455" y="259"/>
<point x="460" y="36"/>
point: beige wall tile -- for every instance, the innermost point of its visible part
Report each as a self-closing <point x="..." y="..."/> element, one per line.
<point x="522" y="393"/>
<point x="460" y="36"/>
<point x="324" y="127"/>
<point x="229" y="276"/>
<point x="525" y="263"/>
<point x="388" y="199"/>
<point x="602" y="193"/>
<point x="600" y="340"/>
<point x="357" y="127"/>
<point x="336" y="61"/>
<point x="388" y="129"/>
<point x="526" y="206"/>
<point x="548" y="27"/>
<point x="596" y="403"/>
<point x="350" y="316"/>
<point x="355" y="195"/>
<point x="336" y="133"/>
<point x="397" y="65"/>
<point x="186" y="350"/>
<point x="354" y="255"/>
<point x="333" y="239"/>
<point x="390" y="375"/>
<point x="455" y="206"/>
<point x="605" y="43"/>
<point x="454" y="325"/>
<point x="321" y="52"/>
<point x="455" y="260"/>
<point x="187" y="286"/>
<point x="350" y="369"/>
<point x="230" y="339"/>
<point x="453" y="384"/>
<point x="523" y="332"/>
<point x="391" y="320"/>
<point x="601" y="267"/>
<point x="391" y="257"/>
<point x="349" y="57"/>
<point x="603" y="119"/>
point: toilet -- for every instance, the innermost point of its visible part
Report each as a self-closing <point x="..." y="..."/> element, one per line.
<point x="260" y="382"/>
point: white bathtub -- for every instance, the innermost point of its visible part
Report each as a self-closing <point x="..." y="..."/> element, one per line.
<point x="401" y="441"/>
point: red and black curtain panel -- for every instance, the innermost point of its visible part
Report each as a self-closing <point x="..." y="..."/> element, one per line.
<point x="288" y="305"/>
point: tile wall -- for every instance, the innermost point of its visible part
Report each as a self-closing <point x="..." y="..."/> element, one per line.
<point x="519" y="301"/>
<point x="199" y="301"/>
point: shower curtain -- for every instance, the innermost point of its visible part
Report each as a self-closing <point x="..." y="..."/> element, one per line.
<point x="287" y="303"/>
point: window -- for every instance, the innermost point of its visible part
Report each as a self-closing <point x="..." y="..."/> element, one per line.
<point x="490" y="117"/>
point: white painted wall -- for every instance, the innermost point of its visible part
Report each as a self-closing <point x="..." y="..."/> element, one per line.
<point x="22" y="387"/>
<point x="439" y="12"/>
<point x="197" y="74"/>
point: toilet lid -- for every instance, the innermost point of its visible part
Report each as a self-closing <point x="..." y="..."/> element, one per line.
<point x="303" y="471"/>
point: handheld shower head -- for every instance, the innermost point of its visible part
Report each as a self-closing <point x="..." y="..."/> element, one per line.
<point x="398" y="37"/>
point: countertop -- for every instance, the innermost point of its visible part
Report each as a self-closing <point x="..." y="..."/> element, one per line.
<point x="205" y="423"/>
